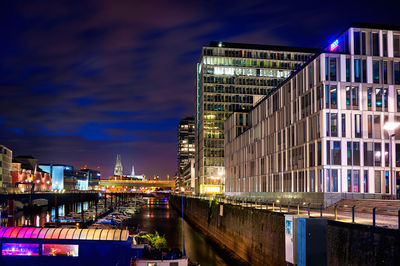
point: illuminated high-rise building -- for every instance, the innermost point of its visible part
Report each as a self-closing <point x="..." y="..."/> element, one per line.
<point x="233" y="77"/>
<point x="186" y="147"/>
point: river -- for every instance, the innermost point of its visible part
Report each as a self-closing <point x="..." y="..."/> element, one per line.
<point x="156" y="215"/>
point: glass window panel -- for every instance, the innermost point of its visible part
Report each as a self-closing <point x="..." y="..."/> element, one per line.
<point x="357" y="42"/>
<point x="377" y="181"/>
<point x="334" y="125"/>
<point x="378" y="154"/>
<point x="60" y="250"/>
<point x="20" y="249"/>
<point x="336" y="153"/>
<point x="349" y="154"/>
<point x="368" y="154"/>
<point x="365" y="180"/>
<point x="332" y="69"/>
<point x="357" y="125"/>
<point x="357" y="71"/>
<point x="375" y="69"/>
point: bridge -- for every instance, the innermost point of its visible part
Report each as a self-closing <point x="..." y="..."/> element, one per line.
<point x="137" y="184"/>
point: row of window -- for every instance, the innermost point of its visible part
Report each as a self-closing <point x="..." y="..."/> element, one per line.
<point x="223" y="61"/>
<point x="228" y="98"/>
<point x="254" y="72"/>
<point x="226" y="107"/>
<point x="273" y="82"/>
<point x="234" y="89"/>
<point x="367" y="43"/>
<point x="357" y="181"/>
<point x="255" y="54"/>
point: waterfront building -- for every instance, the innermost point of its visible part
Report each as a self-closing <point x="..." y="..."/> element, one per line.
<point x="63" y="176"/>
<point x="186" y="148"/>
<point x="118" y="170"/>
<point x="322" y="130"/>
<point x="87" y="179"/>
<point x="5" y="166"/>
<point x="188" y="177"/>
<point x="233" y="77"/>
<point x="27" y="176"/>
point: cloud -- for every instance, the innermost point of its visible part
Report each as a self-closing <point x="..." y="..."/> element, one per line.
<point x="81" y="81"/>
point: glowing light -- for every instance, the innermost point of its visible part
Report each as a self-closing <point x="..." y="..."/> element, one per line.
<point x="334" y="45"/>
<point x="391" y="126"/>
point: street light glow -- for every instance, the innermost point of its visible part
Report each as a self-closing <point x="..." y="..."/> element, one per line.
<point x="391" y="125"/>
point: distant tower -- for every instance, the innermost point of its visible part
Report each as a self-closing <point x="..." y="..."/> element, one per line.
<point x="133" y="171"/>
<point x="118" y="167"/>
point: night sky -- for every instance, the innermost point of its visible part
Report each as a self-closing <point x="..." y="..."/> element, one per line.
<point x="81" y="81"/>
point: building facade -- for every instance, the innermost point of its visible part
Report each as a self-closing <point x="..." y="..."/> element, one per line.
<point x="188" y="177"/>
<point x="63" y="176"/>
<point x="233" y="77"/>
<point x="27" y="176"/>
<point x="5" y="166"/>
<point x="322" y="130"/>
<point x="186" y="148"/>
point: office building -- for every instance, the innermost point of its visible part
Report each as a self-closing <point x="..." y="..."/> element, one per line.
<point x="186" y="148"/>
<point x="5" y="166"/>
<point x="187" y="181"/>
<point x="233" y="77"/>
<point x="323" y="129"/>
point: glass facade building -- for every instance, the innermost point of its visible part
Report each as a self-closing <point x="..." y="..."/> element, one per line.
<point x="322" y="130"/>
<point x="186" y="148"/>
<point x="61" y="175"/>
<point x="233" y="77"/>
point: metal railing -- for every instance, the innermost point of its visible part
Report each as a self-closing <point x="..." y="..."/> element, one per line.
<point x="355" y="214"/>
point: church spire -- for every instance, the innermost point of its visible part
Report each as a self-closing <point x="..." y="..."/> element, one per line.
<point x="133" y="171"/>
<point x="118" y="170"/>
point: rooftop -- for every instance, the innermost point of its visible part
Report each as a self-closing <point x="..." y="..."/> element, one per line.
<point x="263" y="47"/>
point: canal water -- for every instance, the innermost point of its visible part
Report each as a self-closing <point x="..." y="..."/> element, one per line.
<point x="46" y="215"/>
<point x="158" y="215"/>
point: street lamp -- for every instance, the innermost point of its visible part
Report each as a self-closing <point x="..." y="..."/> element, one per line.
<point x="390" y="127"/>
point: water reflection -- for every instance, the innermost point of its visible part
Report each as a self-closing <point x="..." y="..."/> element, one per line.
<point x="157" y="215"/>
<point x="47" y="214"/>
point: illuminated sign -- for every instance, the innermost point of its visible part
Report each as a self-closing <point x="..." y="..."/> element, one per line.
<point x="334" y="46"/>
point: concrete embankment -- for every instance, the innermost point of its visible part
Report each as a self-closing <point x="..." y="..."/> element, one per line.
<point x="258" y="237"/>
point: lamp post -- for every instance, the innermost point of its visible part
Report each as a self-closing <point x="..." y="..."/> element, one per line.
<point x="390" y="127"/>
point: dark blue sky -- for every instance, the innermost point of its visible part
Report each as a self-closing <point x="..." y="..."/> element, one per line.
<point x="81" y="81"/>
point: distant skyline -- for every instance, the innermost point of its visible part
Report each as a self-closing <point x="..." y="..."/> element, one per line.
<point x="83" y="81"/>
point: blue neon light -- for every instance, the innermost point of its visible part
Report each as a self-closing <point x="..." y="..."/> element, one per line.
<point x="334" y="46"/>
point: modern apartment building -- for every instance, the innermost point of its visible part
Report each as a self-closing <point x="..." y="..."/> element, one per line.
<point x="5" y="166"/>
<point x="324" y="128"/>
<point x="186" y="148"/>
<point x="233" y="77"/>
